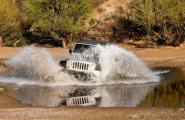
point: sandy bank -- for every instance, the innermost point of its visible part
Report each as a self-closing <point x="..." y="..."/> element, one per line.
<point x="92" y="114"/>
<point x="166" y="56"/>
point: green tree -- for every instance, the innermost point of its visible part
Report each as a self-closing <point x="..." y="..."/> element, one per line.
<point x="8" y="14"/>
<point x="168" y="16"/>
<point x="159" y="21"/>
<point x="57" y="18"/>
<point x="9" y="25"/>
<point x="143" y="14"/>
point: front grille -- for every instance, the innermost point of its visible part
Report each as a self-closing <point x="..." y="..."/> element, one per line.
<point x="80" y="66"/>
<point x="81" y="101"/>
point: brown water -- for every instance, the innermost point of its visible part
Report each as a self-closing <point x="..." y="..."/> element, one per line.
<point x="170" y="92"/>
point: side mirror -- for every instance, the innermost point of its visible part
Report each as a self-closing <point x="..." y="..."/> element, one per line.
<point x="70" y="51"/>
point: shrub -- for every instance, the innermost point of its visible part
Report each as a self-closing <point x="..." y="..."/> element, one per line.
<point x="60" y="18"/>
<point x="162" y="21"/>
<point x="9" y="25"/>
<point x="10" y="29"/>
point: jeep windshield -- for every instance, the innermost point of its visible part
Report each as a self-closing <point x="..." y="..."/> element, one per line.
<point x="79" y="48"/>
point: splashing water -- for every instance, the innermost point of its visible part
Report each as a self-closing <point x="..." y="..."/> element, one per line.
<point x="34" y="69"/>
<point x="117" y="61"/>
<point x="35" y="63"/>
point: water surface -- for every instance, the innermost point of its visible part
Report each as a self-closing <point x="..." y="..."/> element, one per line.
<point x="170" y="92"/>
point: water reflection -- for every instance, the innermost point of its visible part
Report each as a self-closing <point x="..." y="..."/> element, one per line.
<point x="168" y="94"/>
<point x="38" y="95"/>
<point x="124" y="95"/>
<point x="111" y="96"/>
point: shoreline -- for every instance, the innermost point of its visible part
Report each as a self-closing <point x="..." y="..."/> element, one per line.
<point x="154" y="57"/>
<point x="93" y="113"/>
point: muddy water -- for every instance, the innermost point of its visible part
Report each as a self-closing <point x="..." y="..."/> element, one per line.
<point x="170" y="92"/>
<point x="111" y="96"/>
<point x="36" y="78"/>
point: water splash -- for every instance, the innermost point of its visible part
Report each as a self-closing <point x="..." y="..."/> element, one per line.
<point x="116" y="61"/>
<point x="34" y="69"/>
<point x="33" y="63"/>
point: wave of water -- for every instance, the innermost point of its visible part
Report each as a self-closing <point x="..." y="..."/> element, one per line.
<point x="33" y="65"/>
<point x="36" y="64"/>
<point x="41" y="80"/>
<point x="118" y="61"/>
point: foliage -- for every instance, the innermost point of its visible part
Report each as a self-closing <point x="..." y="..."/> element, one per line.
<point x="28" y="21"/>
<point x="8" y="17"/>
<point x="162" y="21"/>
<point x="57" y="17"/>
<point x="10" y="25"/>
<point x="93" y="22"/>
<point x="8" y="13"/>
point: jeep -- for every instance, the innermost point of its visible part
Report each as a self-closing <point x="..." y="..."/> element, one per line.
<point x="80" y="67"/>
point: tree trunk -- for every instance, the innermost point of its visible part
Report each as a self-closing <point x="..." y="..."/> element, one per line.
<point x="63" y="43"/>
<point x="1" y="41"/>
<point x="155" y="11"/>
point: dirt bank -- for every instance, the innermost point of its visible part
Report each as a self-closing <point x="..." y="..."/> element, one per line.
<point x="166" y="56"/>
<point x="7" y="52"/>
<point x="169" y="57"/>
<point x="92" y="114"/>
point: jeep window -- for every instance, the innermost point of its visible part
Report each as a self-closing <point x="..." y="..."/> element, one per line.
<point x="79" y="48"/>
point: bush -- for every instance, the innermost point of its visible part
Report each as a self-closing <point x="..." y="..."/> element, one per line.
<point x="10" y="29"/>
<point x="59" y="18"/>
<point x="9" y="25"/>
<point x="162" y="21"/>
<point x="26" y="21"/>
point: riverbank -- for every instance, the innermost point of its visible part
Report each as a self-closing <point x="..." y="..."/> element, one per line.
<point x="92" y="114"/>
<point x="164" y="57"/>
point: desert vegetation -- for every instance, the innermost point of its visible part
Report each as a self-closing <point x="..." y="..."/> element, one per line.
<point x="40" y="21"/>
<point x="161" y="22"/>
<point x="58" y="22"/>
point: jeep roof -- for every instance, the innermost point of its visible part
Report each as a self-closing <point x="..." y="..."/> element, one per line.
<point x="80" y="47"/>
<point x="86" y="43"/>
